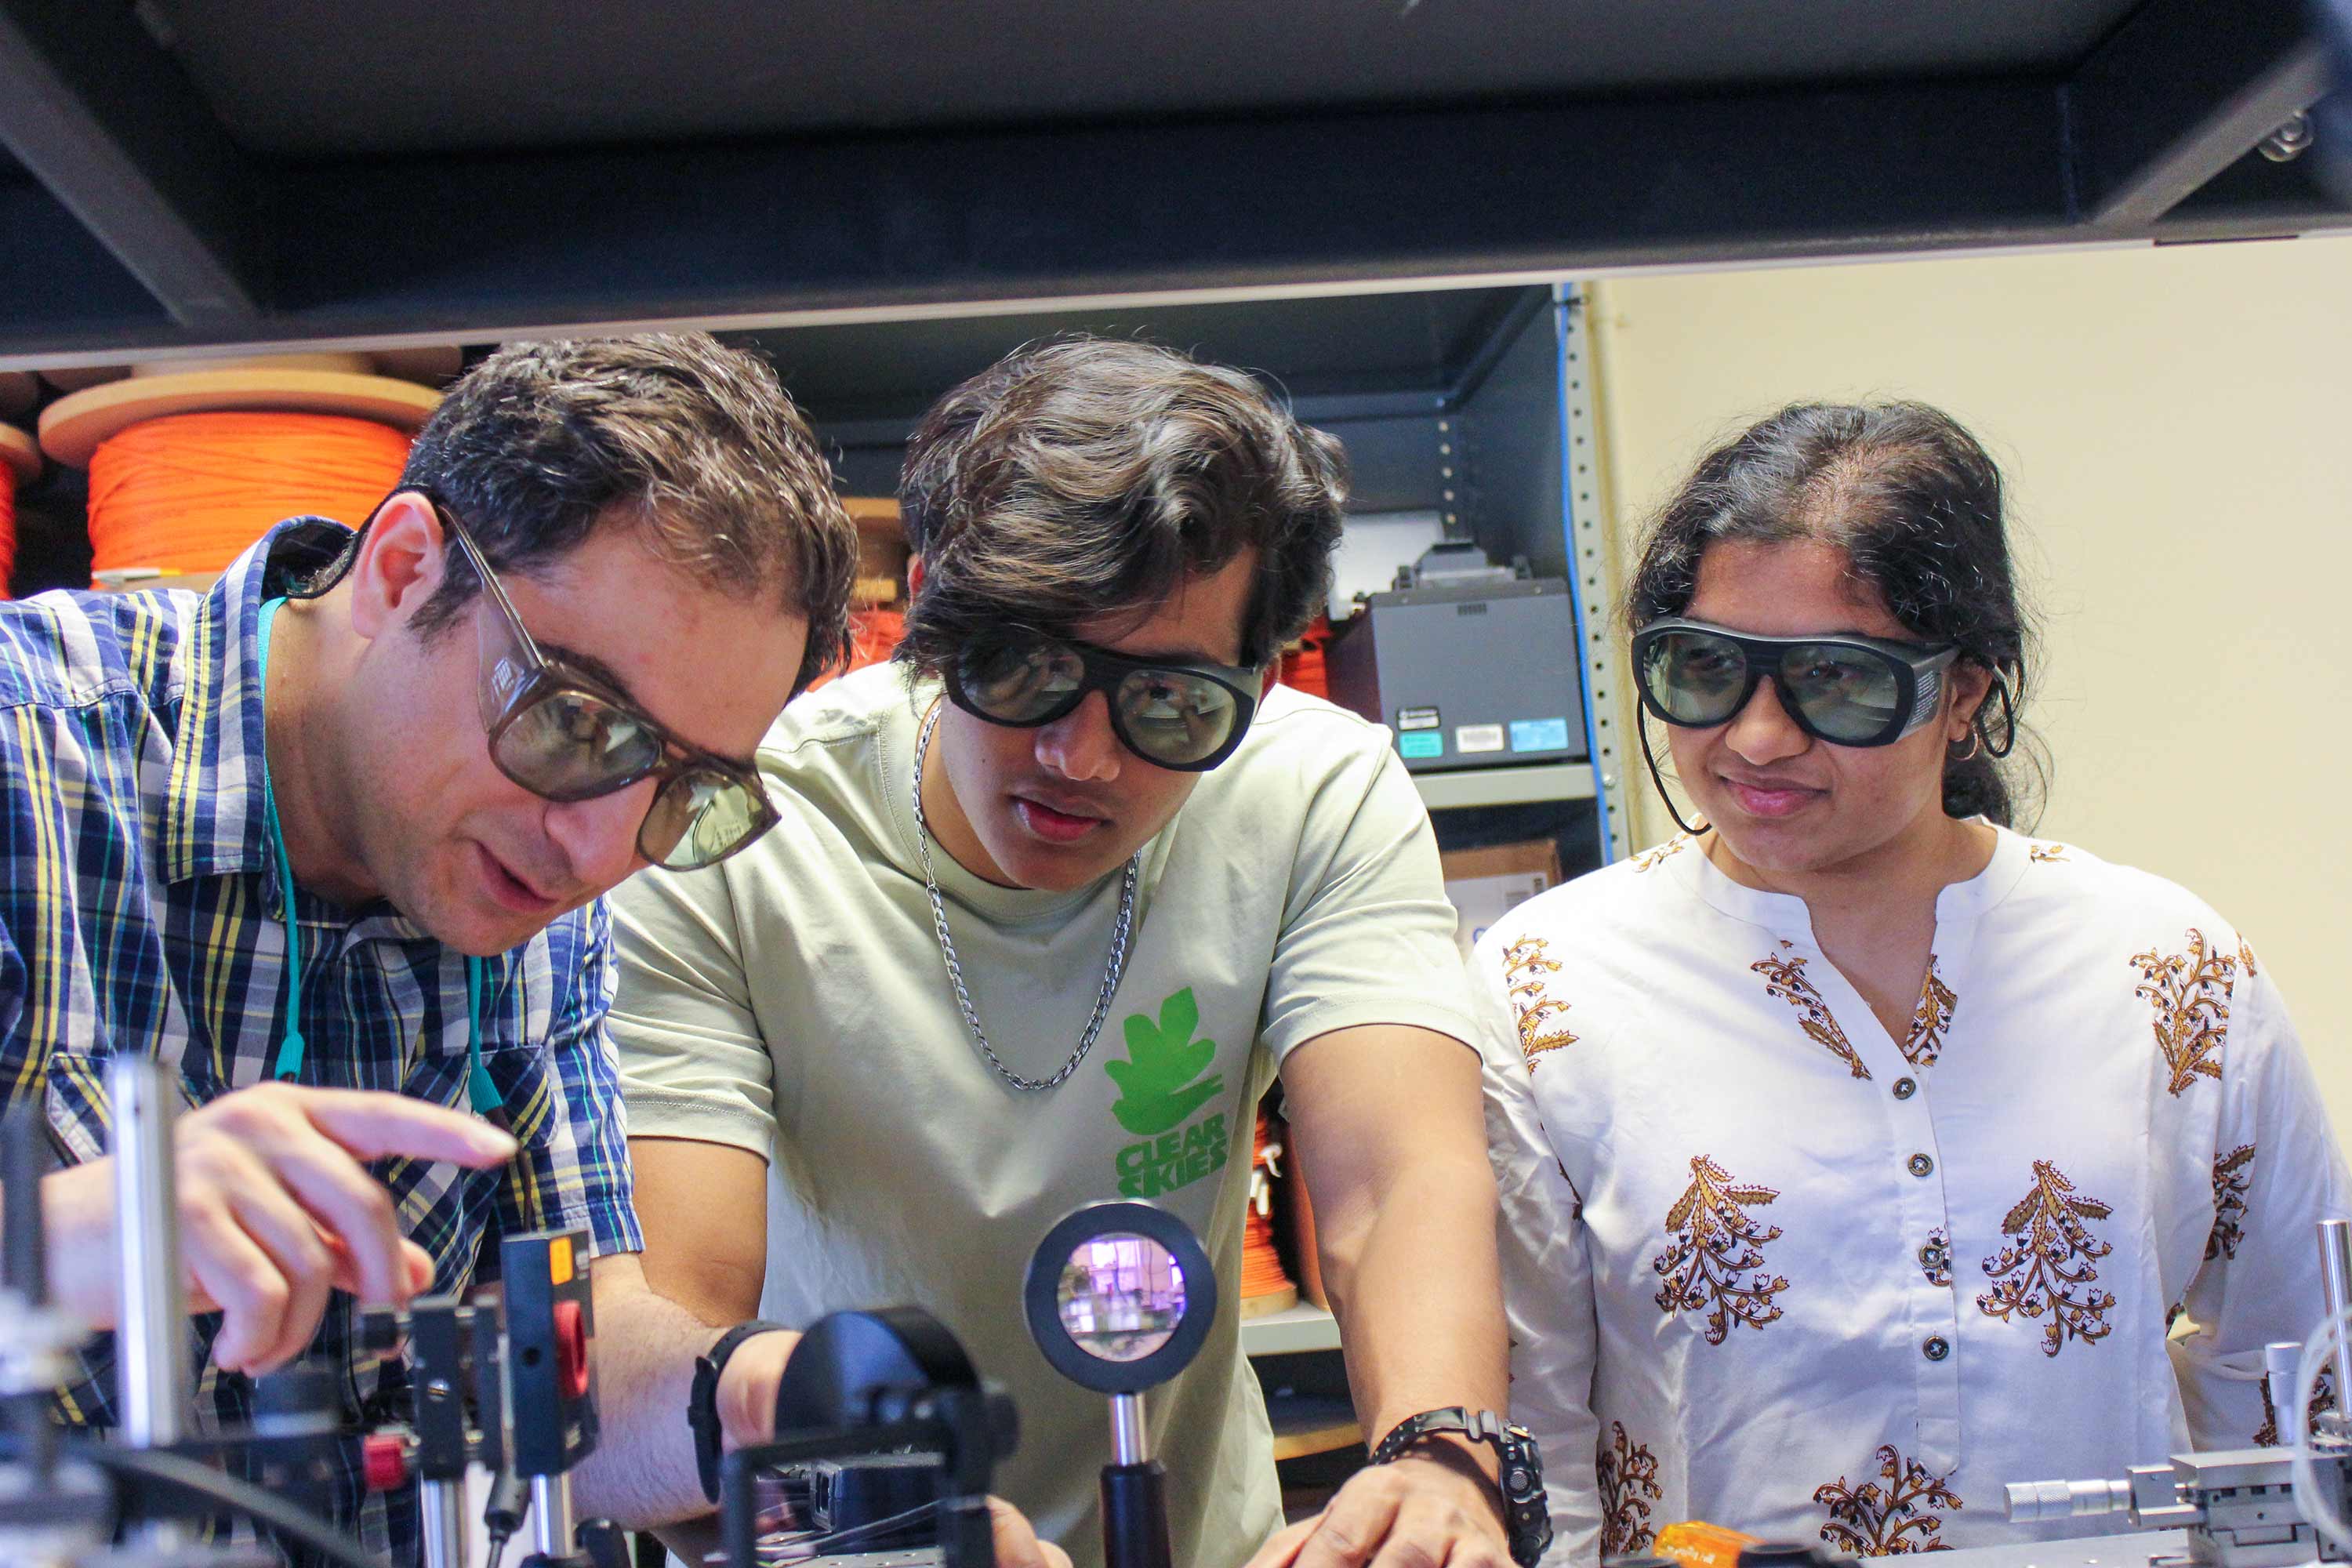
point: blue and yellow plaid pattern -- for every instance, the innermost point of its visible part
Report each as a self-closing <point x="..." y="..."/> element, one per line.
<point x="140" y="911"/>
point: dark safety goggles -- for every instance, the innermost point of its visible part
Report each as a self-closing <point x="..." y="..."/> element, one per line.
<point x="1847" y="690"/>
<point x="1187" y="717"/>
<point x="564" y="735"/>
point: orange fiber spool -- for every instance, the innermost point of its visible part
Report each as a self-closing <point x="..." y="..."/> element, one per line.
<point x="188" y="492"/>
<point x="8" y="526"/>
<point x="18" y="456"/>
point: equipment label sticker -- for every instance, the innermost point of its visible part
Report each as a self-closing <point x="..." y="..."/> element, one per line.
<point x="1540" y="734"/>
<point x="1417" y="719"/>
<point x="1427" y="743"/>
<point x="1478" y="738"/>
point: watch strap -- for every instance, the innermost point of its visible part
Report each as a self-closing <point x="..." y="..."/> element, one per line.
<point x="703" y="1403"/>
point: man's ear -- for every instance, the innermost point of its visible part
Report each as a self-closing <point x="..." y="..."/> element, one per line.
<point x="400" y="562"/>
<point x="914" y="577"/>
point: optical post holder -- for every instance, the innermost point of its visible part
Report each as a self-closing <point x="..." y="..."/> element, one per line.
<point x="66" y="1495"/>
<point x="507" y="1381"/>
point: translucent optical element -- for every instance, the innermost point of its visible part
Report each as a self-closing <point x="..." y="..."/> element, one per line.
<point x="1120" y="1295"/>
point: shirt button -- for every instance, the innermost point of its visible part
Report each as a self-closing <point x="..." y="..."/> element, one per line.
<point x="1920" y="1165"/>
<point x="1936" y="1348"/>
<point x="1931" y="1256"/>
<point x="1905" y="1088"/>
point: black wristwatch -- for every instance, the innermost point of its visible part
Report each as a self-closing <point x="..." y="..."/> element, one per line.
<point x="1525" y="1516"/>
<point x="702" y="1403"/>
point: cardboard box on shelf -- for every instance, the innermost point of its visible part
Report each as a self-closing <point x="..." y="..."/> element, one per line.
<point x="1487" y="883"/>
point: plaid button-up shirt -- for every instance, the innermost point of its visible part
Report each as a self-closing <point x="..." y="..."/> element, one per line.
<point x="140" y="911"/>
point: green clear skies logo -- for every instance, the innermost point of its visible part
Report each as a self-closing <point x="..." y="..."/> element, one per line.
<point x="1160" y="1085"/>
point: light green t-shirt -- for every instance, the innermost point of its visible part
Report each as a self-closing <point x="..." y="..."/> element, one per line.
<point x="792" y="1001"/>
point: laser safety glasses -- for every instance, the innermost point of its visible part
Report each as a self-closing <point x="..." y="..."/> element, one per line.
<point x="1847" y="690"/>
<point x="564" y="735"/>
<point x="1185" y="716"/>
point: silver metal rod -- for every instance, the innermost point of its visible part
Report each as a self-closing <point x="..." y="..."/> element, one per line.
<point x="550" y="1514"/>
<point x="2335" y="1284"/>
<point x="1130" y="1443"/>
<point x="152" y="1338"/>
<point x="2033" y="1501"/>
<point x="441" y="1509"/>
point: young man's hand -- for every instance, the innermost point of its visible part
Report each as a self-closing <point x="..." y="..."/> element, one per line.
<point x="1421" y="1511"/>
<point x="276" y="1210"/>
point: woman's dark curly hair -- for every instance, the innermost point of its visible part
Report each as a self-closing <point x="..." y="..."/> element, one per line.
<point x="1916" y="503"/>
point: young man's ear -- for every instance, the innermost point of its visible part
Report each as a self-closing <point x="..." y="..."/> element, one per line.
<point x="400" y="562"/>
<point x="914" y="577"/>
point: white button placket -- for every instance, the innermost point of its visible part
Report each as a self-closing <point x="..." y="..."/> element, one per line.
<point x="1908" y="1096"/>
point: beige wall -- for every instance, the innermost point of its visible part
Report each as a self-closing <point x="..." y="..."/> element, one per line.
<point x="2176" y="426"/>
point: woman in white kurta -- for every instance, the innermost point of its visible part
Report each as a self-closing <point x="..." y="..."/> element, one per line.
<point x="1860" y="1155"/>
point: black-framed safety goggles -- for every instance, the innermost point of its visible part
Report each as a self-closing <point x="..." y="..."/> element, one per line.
<point x="1847" y="690"/>
<point x="564" y="735"/>
<point x="1185" y="716"/>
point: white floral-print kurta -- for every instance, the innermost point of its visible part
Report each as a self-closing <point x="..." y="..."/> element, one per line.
<point x="1771" y="1268"/>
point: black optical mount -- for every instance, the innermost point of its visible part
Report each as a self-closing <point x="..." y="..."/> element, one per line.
<point x="889" y="1382"/>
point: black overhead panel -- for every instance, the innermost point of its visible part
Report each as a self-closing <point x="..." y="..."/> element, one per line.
<point x="299" y="78"/>
<point x="1405" y="350"/>
<point x="284" y="169"/>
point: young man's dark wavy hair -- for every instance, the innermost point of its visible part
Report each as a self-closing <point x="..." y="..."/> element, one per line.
<point x="1090" y="475"/>
<point x="693" y="443"/>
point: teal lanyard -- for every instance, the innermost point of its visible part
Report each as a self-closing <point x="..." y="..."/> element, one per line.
<point x="483" y="1094"/>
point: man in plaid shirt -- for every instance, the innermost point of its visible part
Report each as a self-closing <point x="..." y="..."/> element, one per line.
<point x="329" y="840"/>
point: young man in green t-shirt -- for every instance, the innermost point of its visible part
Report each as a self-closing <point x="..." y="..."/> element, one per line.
<point x="1078" y="805"/>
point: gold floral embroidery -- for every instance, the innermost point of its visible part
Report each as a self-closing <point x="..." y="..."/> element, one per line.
<point x="1713" y="1243"/>
<point x="2046" y="853"/>
<point x="2191" y="993"/>
<point x="1872" y="1520"/>
<point x="2047" y="1264"/>
<point x="2323" y="1399"/>
<point x="2246" y="958"/>
<point x="1628" y="1475"/>
<point x="1524" y="964"/>
<point x="2231" y="1181"/>
<point x="1657" y="855"/>
<point x="1930" y="1020"/>
<point x="1785" y="978"/>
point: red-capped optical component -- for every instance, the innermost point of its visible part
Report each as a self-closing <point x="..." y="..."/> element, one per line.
<point x="572" y="1350"/>
<point x="383" y="1461"/>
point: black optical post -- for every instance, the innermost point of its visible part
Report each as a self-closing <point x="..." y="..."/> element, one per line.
<point x="1119" y="1298"/>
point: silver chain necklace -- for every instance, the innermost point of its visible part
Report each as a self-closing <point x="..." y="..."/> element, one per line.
<point x="1111" y="971"/>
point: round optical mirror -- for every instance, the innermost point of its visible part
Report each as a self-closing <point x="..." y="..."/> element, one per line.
<point x="1120" y="1297"/>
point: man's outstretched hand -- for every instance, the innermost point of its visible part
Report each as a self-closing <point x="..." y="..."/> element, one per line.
<point x="276" y="1209"/>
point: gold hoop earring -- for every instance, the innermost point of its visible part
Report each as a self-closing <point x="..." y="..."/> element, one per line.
<point x="1976" y="744"/>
